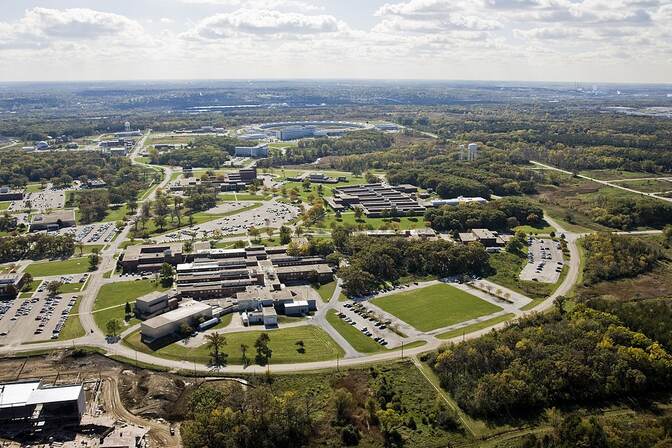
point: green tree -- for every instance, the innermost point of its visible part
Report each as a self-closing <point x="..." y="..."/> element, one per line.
<point x="113" y="327"/>
<point x="390" y="422"/>
<point x="216" y="342"/>
<point x="54" y="287"/>
<point x="264" y="352"/>
<point x="166" y="274"/>
<point x="94" y="259"/>
<point x="285" y="235"/>
<point x="344" y="406"/>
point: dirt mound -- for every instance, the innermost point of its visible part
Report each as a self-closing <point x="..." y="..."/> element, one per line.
<point x="152" y="395"/>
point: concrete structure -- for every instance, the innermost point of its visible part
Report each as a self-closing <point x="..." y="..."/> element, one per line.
<point x="53" y="221"/>
<point x="33" y="401"/>
<point x="153" y="304"/>
<point x="150" y="258"/>
<point x="8" y="194"/>
<point x="261" y="150"/>
<point x="492" y="240"/>
<point x="96" y="183"/>
<point x="218" y="273"/>
<point x="294" y="130"/>
<point x="11" y="284"/>
<point x="128" y="133"/>
<point x="41" y="146"/>
<point x="261" y="305"/>
<point x="229" y="182"/>
<point x="377" y="200"/>
<point x="424" y="233"/>
<point x="469" y="153"/>
<point x="168" y="324"/>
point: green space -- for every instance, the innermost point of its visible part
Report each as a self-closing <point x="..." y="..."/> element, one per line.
<point x="506" y="271"/>
<point x="70" y="288"/>
<point x="73" y="327"/>
<point x="230" y="197"/>
<point x="90" y="248"/>
<point x="612" y="174"/>
<point x="169" y="140"/>
<point x="61" y="267"/>
<point x="435" y="306"/>
<point x="348" y="218"/>
<point x="647" y="186"/>
<point x="33" y="188"/>
<point x="4" y="205"/>
<point x="544" y="228"/>
<point x="32" y="286"/>
<point x="475" y="327"/>
<point x="112" y="298"/>
<point x="325" y="291"/>
<point x="358" y="340"/>
<point x="116" y="213"/>
<point x="317" y="344"/>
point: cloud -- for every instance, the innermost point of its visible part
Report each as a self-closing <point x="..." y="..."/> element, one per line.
<point x="263" y="23"/>
<point x="260" y="4"/>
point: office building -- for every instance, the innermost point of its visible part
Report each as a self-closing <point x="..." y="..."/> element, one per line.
<point x="153" y="304"/>
<point x="8" y="194"/>
<point x="456" y="201"/>
<point x="150" y="258"/>
<point x="377" y="200"/>
<point x="53" y="221"/>
<point x="34" y="402"/>
<point x="261" y="150"/>
<point x="11" y="284"/>
<point x="490" y="239"/>
<point x="168" y="324"/>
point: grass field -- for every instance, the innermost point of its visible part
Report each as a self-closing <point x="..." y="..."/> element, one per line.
<point x="318" y="346"/>
<point x="612" y="174"/>
<point x="544" y="228"/>
<point x="507" y="268"/>
<point x="435" y="306"/>
<point x="475" y="327"/>
<point x="33" y="188"/>
<point x="325" y="291"/>
<point x="229" y="197"/>
<point x="358" y="340"/>
<point x="647" y="186"/>
<point x="116" y="213"/>
<point x="70" y="288"/>
<point x="112" y="299"/>
<point x="73" y="327"/>
<point x="62" y="267"/>
<point x="4" y="205"/>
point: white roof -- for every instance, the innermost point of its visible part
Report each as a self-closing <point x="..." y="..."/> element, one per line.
<point x="16" y="394"/>
<point x="55" y="394"/>
<point x="296" y="303"/>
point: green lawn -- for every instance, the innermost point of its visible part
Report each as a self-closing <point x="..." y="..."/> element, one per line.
<point x="543" y="228"/>
<point x="325" y="291"/>
<point x="4" y="205"/>
<point x="348" y="218"/>
<point x="62" y="267"/>
<point x="435" y="306"/>
<point x="648" y="186"/>
<point x="116" y="213"/>
<point x="318" y="346"/>
<point x="613" y="174"/>
<point x="229" y="197"/>
<point x="70" y="288"/>
<point x="358" y="340"/>
<point x="33" y="188"/>
<point x="475" y="327"/>
<point x="116" y="295"/>
<point x="73" y="327"/>
<point x="32" y="286"/>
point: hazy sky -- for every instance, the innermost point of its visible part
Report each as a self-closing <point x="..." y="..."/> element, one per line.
<point x="554" y="40"/>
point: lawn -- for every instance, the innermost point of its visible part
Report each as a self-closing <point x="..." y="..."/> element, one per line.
<point x="348" y="218"/>
<point x="70" y="288"/>
<point x="73" y="327"/>
<point x="318" y="346"/>
<point x="543" y="228"/>
<point x="506" y="271"/>
<point x="61" y="267"/>
<point x="112" y="299"/>
<point x="475" y="327"/>
<point x="647" y="186"/>
<point x="231" y="197"/>
<point x="116" y="213"/>
<point x="325" y="291"/>
<point x="4" y="205"/>
<point x="33" y="188"/>
<point x="358" y="340"/>
<point x="435" y="306"/>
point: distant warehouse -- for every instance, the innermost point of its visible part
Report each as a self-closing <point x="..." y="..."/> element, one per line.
<point x="188" y="313"/>
<point x="33" y="401"/>
<point x="261" y="150"/>
<point x="53" y="221"/>
<point x="377" y="200"/>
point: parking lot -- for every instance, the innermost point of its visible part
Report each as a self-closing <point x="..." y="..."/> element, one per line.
<point x="37" y="318"/>
<point x="92" y="233"/>
<point x="269" y="214"/>
<point x="41" y="200"/>
<point x="544" y="261"/>
<point x="365" y="320"/>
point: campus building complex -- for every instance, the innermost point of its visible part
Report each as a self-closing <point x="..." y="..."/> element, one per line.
<point x="261" y="150"/>
<point x="8" y="194"/>
<point x="32" y="401"/>
<point x="11" y="284"/>
<point x="53" y="221"/>
<point x="150" y="258"/>
<point x="377" y="200"/>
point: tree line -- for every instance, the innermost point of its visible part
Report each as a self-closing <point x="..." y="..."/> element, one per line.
<point x="35" y="247"/>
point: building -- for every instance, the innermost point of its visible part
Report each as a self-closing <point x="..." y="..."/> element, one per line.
<point x="150" y="258"/>
<point x="26" y="401"/>
<point x="261" y="150"/>
<point x="377" y="200"/>
<point x="153" y="304"/>
<point x="41" y="146"/>
<point x="387" y="127"/>
<point x="168" y="324"/>
<point x="262" y="305"/>
<point x="11" y="284"/>
<point x="53" y="221"/>
<point x="217" y="273"/>
<point x="96" y="183"/>
<point x="125" y="134"/>
<point x="296" y="132"/>
<point x="8" y="194"/>
<point x="492" y="240"/>
<point x="457" y="201"/>
<point x="233" y="181"/>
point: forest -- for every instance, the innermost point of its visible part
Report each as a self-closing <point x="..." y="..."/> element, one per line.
<point x="35" y="247"/>
<point x="504" y="214"/>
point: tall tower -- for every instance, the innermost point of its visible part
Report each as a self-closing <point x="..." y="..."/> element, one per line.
<point x="127" y="126"/>
<point x="463" y="153"/>
<point x="473" y="151"/>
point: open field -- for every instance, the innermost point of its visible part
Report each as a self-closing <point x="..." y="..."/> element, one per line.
<point x="435" y="306"/>
<point x="318" y="346"/>
<point x="62" y="267"/>
<point x="69" y="288"/>
<point x="348" y="218"/>
<point x="112" y="299"/>
<point x="73" y="327"/>
<point x="609" y="174"/>
<point x="325" y="291"/>
<point x="648" y="186"/>
<point x="507" y="268"/>
<point x="358" y="340"/>
<point x="543" y="228"/>
<point x="170" y="140"/>
<point x="230" y="197"/>
<point x="4" y="205"/>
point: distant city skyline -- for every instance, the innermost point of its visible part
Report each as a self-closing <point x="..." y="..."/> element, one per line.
<point x="585" y="41"/>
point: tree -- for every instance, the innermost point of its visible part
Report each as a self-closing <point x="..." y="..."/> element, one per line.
<point x="216" y="342"/>
<point x="113" y="327"/>
<point x="54" y="287"/>
<point x="359" y="213"/>
<point x="269" y="232"/>
<point x="145" y="213"/>
<point x="390" y="422"/>
<point x="285" y="235"/>
<point x="344" y="405"/>
<point x="94" y="259"/>
<point x="128" y="311"/>
<point x="166" y="274"/>
<point x="243" y="354"/>
<point x="264" y="352"/>
<point x="253" y="232"/>
<point x="27" y="281"/>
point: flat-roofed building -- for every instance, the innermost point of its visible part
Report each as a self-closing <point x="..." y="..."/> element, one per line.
<point x="260" y="150"/>
<point x="53" y="221"/>
<point x="9" y="194"/>
<point x="488" y="238"/>
<point x="11" y="284"/>
<point x="377" y="200"/>
<point x="150" y="258"/>
<point x="34" y="401"/>
<point x="168" y="324"/>
<point x="153" y="304"/>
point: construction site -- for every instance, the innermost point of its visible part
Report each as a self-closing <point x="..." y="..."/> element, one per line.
<point x="124" y="406"/>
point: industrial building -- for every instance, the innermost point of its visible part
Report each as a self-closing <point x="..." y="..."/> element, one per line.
<point x="8" y="194"/>
<point x="150" y="258"/>
<point x="229" y="182"/>
<point x="424" y="233"/>
<point x="262" y="305"/>
<point x="33" y="401"/>
<point x="492" y="240"/>
<point x="188" y="312"/>
<point x="53" y="221"/>
<point x="11" y="284"/>
<point x="217" y="273"/>
<point x="377" y="200"/>
<point x="456" y="201"/>
<point x="153" y="304"/>
<point x="318" y="178"/>
<point x="261" y="150"/>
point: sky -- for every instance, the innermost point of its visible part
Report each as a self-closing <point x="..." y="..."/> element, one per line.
<point x="521" y="40"/>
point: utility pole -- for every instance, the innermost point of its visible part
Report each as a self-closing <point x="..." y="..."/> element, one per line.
<point x="402" y="349"/>
<point x="337" y="358"/>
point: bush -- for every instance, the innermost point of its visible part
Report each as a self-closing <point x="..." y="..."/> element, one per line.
<point x="350" y="435"/>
